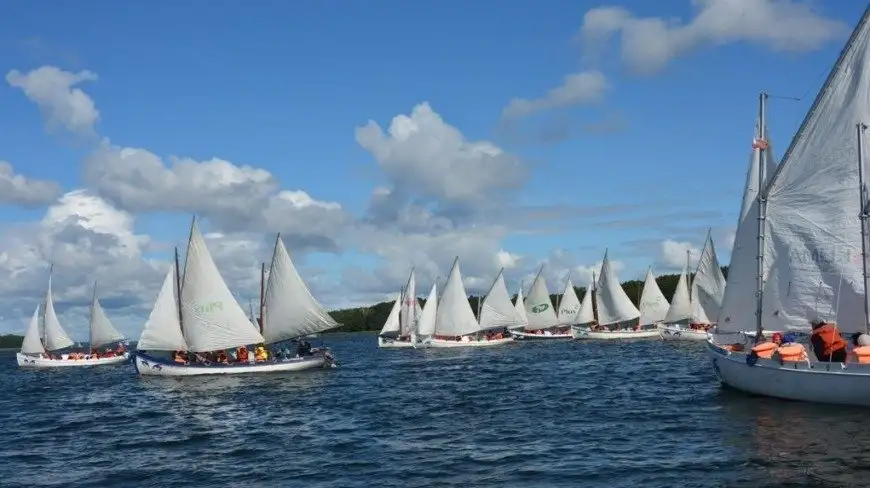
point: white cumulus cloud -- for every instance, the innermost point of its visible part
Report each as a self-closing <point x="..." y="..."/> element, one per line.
<point x="54" y="91"/>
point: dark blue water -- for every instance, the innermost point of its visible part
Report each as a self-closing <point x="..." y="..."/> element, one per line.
<point x="531" y="415"/>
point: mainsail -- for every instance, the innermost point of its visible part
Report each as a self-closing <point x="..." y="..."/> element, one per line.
<point x="586" y="313"/>
<point x="681" y="303"/>
<point x="539" y="306"/>
<point x="391" y="325"/>
<point x="102" y="330"/>
<point x="653" y="304"/>
<point x="520" y="307"/>
<point x="55" y="337"/>
<point x="497" y="311"/>
<point x="569" y="305"/>
<point x="614" y="306"/>
<point x="708" y="287"/>
<point x="426" y="320"/>
<point x="410" y="307"/>
<point x="454" y="316"/>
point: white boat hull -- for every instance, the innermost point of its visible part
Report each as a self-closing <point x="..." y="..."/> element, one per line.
<point x="26" y="361"/>
<point x="672" y="333"/>
<point x="150" y="366"/>
<point x="389" y="343"/>
<point x="836" y="383"/>
<point x="441" y="343"/>
<point x="593" y="335"/>
<point x="526" y="336"/>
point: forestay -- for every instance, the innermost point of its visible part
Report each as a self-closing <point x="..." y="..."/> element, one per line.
<point x="739" y="299"/>
<point x="454" y="316"/>
<point x="813" y="238"/>
<point x="539" y="307"/>
<point x="391" y="326"/>
<point x="102" y="330"/>
<point x="586" y="313"/>
<point x="681" y="303"/>
<point x="31" y="343"/>
<point x="496" y="310"/>
<point x="653" y="304"/>
<point x="213" y="319"/>
<point x="162" y="330"/>
<point x="569" y="305"/>
<point x="55" y="337"/>
<point x="614" y="306"/>
<point x="426" y="320"/>
<point x="520" y="307"/>
<point x="708" y="287"/>
<point x="290" y="310"/>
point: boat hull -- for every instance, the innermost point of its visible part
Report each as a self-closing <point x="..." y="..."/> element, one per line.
<point x="151" y="366"/>
<point x="592" y="335"/>
<point x="389" y="343"/>
<point x="818" y="382"/>
<point x="525" y="336"/>
<point x="441" y="343"/>
<point x="671" y="333"/>
<point x="26" y="361"/>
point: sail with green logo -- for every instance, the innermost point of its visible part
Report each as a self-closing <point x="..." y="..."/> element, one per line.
<point x="539" y="307"/>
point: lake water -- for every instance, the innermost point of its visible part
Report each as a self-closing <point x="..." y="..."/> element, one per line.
<point x="568" y="414"/>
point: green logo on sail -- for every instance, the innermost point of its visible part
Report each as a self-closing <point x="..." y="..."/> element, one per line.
<point x="209" y="308"/>
<point x="540" y="308"/>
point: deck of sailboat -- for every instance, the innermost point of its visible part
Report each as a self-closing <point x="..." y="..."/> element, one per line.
<point x="149" y="365"/>
<point x="28" y="361"/>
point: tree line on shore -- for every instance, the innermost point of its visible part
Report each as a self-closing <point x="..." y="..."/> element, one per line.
<point x="372" y="318"/>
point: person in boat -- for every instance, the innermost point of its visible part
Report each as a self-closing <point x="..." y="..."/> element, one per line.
<point x="179" y="357"/>
<point x="242" y="354"/>
<point x="222" y="357"/>
<point x="860" y="339"/>
<point x="827" y="343"/>
<point x="303" y="349"/>
<point x="260" y="353"/>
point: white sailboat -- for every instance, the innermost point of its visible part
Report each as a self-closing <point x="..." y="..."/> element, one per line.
<point x="615" y="308"/>
<point x="812" y="246"/>
<point x="400" y="328"/>
<point x="455" y="324"/>
<point x="707" y="290"/>
<point x="653" y="304"/>
<point x="543" y="322"/>
<point x="204" y="317"/>
<point x="497" y="312"/>
<point x="586" y="313"/>
<point x="426" y="320"/>
<point x="520" y="307"/>
<point x="37" y="352"/>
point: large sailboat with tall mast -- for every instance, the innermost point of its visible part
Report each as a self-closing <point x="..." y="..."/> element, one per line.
<point x="40" y="347"/>
<point x="811" y="243"/>
<point x="196" y="313"/>
<point x="617" y="315"/>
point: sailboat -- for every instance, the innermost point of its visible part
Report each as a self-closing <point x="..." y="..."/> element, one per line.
<point x="543" y="322"/>
<point x="707" y="290"/>
<point x="36" y="351"/>
<point x="653" y="304"/>
<point x="496" y="310"/>
<point x="426" y="320"/>
<point x="520" y="307"/>
<point x="197" y="313"/>
<point x="455" y="324"/>
<point x="812" y="247"/>
<point x="614" y="309"/>
<point x="400" y="328"/>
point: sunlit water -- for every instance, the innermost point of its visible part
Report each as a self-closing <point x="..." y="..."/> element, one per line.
<point x="567" y="414"/>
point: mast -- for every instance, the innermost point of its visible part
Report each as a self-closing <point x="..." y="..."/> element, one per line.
<point x="594" y="300"/>
<point x="688" y="273"/>
<point x="761" y="145"/>
<point x="178" y="291"/>
<point x="262" y="295"/>
<point x="91" y="328"/>
<point x="863" y="193"/>
<point x="45" y="304"/>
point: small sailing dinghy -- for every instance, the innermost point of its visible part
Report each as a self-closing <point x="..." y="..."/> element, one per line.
<point x="707" y="291"/>
<point x="812" y="248"/>
<point x="399" y="330"/>
<point x="455" y="324"/>
<point x="543" y="323"/>
<point x="36" y="353"/>
<point x="615" y="311"/>
<point x="204" y="318"/>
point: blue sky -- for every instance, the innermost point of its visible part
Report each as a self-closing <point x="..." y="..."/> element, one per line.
<point x="282" y="86"/>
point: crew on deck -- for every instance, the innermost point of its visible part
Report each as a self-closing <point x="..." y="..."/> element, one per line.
<point x="827" y="343"/>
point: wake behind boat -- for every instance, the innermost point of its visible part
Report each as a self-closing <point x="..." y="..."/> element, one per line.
<point x="198" y="320"/>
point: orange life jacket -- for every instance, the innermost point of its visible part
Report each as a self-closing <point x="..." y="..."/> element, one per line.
<point x="831" y="339"/>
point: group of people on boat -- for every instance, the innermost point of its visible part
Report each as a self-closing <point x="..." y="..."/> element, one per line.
<point x="554" y="331"/>
<point x="486" y="336"/>
<point x="241" y="355"/>
<point x="92" y="354"/>
<point x="828" y="345"/>
<point x="700" y="327"/>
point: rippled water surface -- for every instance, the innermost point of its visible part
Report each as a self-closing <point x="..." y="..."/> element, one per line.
<point x="533" y="415"/>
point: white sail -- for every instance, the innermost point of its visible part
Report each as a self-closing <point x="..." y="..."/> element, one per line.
<point x="653" y="304"/>
<point x="454" y="316"/>
<point x="426" y="319"/>
<point x="102" y="330"/>
<point x="55" y="337"/>
<point x="410" y="307"/>
<point x="520" y="307"/>
<point x="162" y="330"/>
<point x="740" y="293"/>
<point x="539" y="306"/>
<point x="614" y="306"/>
<point x="391" y="325"/>
<point x="708" y="287"/>
<point x="290" y="310"/>
<point x="212" y="318"/>
<point x="496" y="310"/>
<point x="569" y="305"/>
<point x="586" y="313"/>
<point x="681" y="303"/>
<point x="32" y="343"/>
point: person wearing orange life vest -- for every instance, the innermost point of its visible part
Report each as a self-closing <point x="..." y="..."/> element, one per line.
<point x="827" y="343"/>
